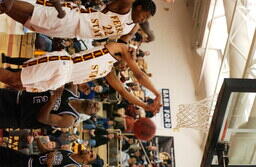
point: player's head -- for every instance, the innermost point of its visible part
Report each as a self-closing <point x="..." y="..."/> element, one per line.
<point x="88" y="156"/>
<point x="51" y="145"/>
<point x="142" y="10"/>
<point x="88" y="107"/>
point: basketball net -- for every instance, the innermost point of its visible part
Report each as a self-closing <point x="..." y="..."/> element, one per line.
<point x="196" y="115"/>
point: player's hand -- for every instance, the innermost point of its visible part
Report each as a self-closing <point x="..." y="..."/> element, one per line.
<point x="156" y="105"/>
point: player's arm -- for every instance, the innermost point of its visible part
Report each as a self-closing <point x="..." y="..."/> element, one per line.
<point x="118" y="86"/>
<point x="127" y="37"/>
<point x="141" y="76"/>
<point x="44" y="116"/>
<point x="61" y="121"/>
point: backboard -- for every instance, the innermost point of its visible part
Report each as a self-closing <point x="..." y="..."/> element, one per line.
<point x="231" y="139"/>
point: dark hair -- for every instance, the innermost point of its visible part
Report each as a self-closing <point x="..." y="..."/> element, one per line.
<point x="137" y="37"/>
<point x="147" y="5"/>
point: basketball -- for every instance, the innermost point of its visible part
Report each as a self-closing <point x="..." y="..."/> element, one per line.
<point x="144" y="129"/>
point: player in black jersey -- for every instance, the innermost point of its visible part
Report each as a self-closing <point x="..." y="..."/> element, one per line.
<point x="20" y="109"/>
<point x="58" y="158"/>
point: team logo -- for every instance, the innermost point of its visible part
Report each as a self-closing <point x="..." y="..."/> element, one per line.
<point x="40" y="99"/>
<point x="57" y="104"/>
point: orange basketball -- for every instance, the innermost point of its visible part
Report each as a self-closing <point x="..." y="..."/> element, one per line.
<point x="144" y="129"/>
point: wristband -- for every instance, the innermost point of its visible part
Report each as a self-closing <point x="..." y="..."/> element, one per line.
<point x="133" y="46"/>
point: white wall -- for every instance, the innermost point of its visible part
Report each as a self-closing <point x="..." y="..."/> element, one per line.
<point x="172" y="64"/>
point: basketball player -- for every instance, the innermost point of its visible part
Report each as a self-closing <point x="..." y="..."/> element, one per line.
<point x="58" y="68"/>
<point x="86" y="23"/>
<point x="58" y="158"/>
<point x="122" y="8"/>
<point x="60" y="108"/>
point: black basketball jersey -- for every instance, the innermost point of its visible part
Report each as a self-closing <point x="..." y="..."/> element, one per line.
<point x="31" y="103"/>
<point x="61" y="159"/>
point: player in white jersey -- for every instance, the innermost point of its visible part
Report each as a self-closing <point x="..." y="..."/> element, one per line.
<point x="85" y="23"/>
<point x="57" y="68"/>
<point x="122" y="7"/>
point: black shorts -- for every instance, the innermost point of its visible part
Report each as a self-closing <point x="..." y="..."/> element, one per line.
<point x="9" y="109"/>
<point x="12" y="158"/>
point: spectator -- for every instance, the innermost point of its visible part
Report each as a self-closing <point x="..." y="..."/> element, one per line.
<point x="100" y="137"/>
<point x="43" y="42"/>
<point x="89" y="90"/>
<point x="98" y="162"/>
<point x="25" y="140"/>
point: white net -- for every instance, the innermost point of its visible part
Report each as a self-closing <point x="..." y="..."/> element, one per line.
<point x="196" y="115"/>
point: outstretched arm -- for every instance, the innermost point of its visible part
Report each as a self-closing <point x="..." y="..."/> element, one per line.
<point x="127" y="37"/>
<point x="118" y="86"/>
<point x="140" y="75"/>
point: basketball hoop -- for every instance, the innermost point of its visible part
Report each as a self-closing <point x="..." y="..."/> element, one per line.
<point x="196" y="115"/>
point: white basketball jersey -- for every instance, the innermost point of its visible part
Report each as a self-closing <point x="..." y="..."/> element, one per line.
<point x="88" y="66"/>
<point x="55" y="69"/>
<point x="125" y="20"/>
<point x="99" y="25"/>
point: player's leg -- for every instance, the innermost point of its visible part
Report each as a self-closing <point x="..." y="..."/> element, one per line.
<point x="10" y="78"/>
<point x="9" y="109"/>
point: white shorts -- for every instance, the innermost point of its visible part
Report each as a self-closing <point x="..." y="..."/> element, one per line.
<point x="44" y="20"/>
<point x="48" y="75"/>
